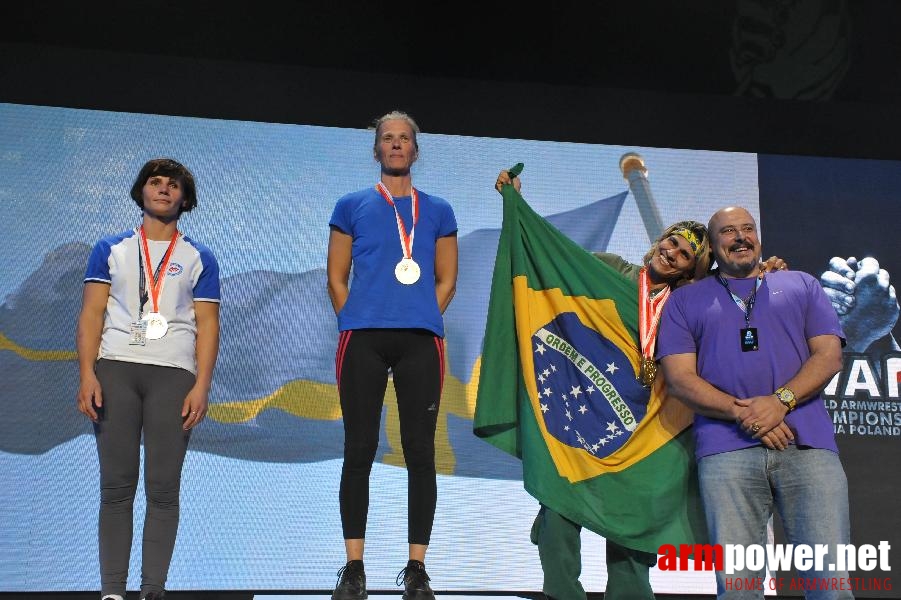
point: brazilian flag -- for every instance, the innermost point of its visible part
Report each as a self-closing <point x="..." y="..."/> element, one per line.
<point x="558" y="388"/>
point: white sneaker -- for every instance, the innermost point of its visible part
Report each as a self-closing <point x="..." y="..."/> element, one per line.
<point x="112" y="597"/>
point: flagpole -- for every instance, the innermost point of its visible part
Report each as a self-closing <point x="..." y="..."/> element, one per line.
<point x="636" y="173"/>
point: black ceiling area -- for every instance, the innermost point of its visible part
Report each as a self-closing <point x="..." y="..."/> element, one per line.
<point x="821" y="75"/>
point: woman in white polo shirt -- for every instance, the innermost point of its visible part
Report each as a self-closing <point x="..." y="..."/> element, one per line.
<point x="148" y="337"/>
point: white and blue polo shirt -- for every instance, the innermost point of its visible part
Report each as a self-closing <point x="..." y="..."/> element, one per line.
<point x="192" y="276"/>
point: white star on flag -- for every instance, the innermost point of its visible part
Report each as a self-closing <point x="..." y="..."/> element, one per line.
<point x="540" y="349"/>
<point x="583" y="409"/>
<point x="575" y="391"/>
<point x="611" y="368"/>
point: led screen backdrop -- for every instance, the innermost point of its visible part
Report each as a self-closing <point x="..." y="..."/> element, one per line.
<point x="822" y="210"/>
<point x="259" y="493"/>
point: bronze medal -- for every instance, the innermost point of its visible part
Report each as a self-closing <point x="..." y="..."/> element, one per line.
<point x="648" y="371"/>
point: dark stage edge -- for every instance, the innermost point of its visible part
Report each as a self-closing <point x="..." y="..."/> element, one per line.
<point x="373" y="594"/>
<point x="320" y="595"/>
<point x="316" y="595"/>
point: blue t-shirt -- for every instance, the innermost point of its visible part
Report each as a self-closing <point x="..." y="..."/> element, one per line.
<point x="702" y="319"/>
<point x="377" y="299"/>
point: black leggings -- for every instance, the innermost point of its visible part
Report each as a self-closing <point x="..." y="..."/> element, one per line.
<point x="416" y="360"/>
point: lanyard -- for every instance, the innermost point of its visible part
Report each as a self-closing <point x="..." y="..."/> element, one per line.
<point x="156" y="281"/>
<point x="406" y="241"/>
<point x="649" y="310"/>
<point x="746" y="306"/>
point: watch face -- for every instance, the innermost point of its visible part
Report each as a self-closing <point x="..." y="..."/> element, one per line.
<point x="786" y="397"/>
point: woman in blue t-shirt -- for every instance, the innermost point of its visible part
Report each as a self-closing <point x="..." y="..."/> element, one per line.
<point x="402" y="244"/>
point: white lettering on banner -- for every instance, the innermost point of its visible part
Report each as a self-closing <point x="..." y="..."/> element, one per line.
<point x="863" y="399"/>
<point x="861" y="378"/>
<point x="892" y="375"/>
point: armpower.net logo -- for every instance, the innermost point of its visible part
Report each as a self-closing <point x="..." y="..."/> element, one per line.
<point x="819" y="568"/>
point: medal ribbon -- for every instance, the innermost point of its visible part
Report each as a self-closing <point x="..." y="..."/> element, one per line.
<point x="746" y="306"/>
<point x="649" y="311"/>
<point x="406" y="241"/>
<point x="156" y="280"/>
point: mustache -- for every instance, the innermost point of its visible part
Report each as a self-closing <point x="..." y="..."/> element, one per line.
<point x="741" y="246"/>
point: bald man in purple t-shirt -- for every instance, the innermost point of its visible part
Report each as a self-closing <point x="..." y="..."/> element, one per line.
<point x="750" y="356"/>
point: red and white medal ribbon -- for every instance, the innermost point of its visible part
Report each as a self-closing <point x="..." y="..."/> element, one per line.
<point x="406" y="271"/>
<point x="649" y="311"/>
<point x="156" y="323"/>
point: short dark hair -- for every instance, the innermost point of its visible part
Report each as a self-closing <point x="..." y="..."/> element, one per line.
<point x="167" y="168"/>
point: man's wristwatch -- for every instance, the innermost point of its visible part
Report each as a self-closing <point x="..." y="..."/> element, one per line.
<point x="787" y="398"/>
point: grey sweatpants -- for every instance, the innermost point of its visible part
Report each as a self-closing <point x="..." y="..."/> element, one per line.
<point x="136" y="398"/>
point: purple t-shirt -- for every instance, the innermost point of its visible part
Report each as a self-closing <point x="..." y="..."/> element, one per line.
<point x="702" y="319"/>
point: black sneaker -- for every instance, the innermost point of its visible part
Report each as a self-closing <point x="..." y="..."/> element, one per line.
<point x="351" y="582"/>
<point x="415" y="581"/>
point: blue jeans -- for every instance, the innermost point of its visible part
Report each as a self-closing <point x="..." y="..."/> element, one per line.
<point x="809" y="488"/>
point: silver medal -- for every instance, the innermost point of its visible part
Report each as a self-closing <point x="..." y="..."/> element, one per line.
<point x="406" y="271"/>
<point x="157" y="326"/>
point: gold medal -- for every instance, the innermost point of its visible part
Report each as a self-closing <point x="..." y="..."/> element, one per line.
<point x="648" y="371"/>
<point x="649" y="309"/>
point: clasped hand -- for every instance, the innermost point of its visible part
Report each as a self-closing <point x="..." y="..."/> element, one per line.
<point x="762" y="417"/>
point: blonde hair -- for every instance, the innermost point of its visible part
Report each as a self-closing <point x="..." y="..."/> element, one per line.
<point x="393" y="116"/>
<point x="702" y="252"/>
